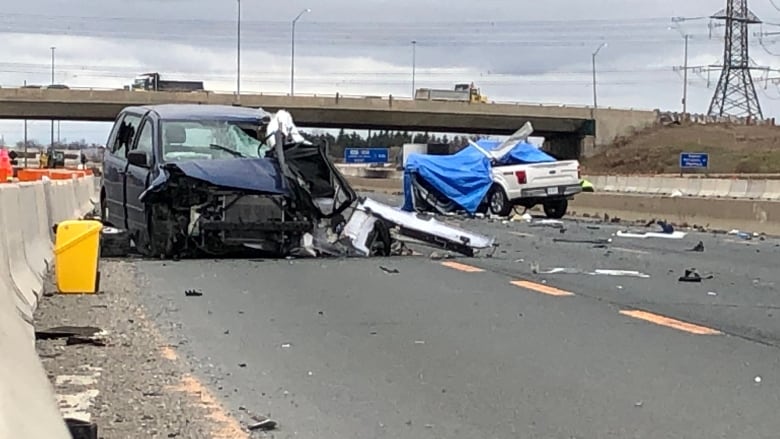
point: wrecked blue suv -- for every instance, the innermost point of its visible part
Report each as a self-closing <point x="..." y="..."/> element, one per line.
<point x="209" y="179"/>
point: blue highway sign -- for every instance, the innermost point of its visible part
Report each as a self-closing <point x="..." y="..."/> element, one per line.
<point x="366" y="155"/>
<point x="694" y="160"/>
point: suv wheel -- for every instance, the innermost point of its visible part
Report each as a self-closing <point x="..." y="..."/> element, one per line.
<point x="556" y="209"/>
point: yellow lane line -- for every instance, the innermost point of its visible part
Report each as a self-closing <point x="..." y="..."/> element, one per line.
<point x="224" y="425"/>
<point x="670" y="322"/>
<point x="462" y="267"/>
<point x="540" y="288"/>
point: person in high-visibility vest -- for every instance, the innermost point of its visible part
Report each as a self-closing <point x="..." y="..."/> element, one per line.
<point x="586" y="186"/>
<point x="6" y="170"/>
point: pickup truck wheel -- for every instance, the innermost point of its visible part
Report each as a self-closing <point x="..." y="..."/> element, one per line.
<point x="556" y="209"/>
<point x="498" y="202"/>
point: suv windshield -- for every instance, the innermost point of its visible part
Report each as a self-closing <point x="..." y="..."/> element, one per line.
<point x="190" y="140"/>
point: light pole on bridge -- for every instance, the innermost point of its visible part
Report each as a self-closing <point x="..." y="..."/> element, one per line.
<point x="292" y="54"/>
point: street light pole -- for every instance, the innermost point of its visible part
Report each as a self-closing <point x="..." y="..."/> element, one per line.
<point x="685" y="78"/>
<point x="292" y="55"/>
<point x="25" y="137"/>
<point x="52" y="82"/>
<point x="595" y="101"/>
<point x="238" y="53"/>
<point x="685" y="67"/>
<point x="414" y="64"/>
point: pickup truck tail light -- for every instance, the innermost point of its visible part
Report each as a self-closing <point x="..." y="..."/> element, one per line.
<point x="521" y="178"/>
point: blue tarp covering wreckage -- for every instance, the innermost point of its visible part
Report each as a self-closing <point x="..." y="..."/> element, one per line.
<point x="462" y="180"/>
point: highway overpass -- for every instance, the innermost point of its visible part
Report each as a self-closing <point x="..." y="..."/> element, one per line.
<point x="568" y="129"/>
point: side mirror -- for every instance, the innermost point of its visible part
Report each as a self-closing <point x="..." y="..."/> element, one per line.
<point x="139" y="158"/>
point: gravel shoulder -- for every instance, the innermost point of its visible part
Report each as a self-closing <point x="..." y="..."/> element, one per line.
<point x="134" y="386"/>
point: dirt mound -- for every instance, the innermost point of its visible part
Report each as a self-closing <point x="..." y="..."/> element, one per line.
<point x="656" y="150"/>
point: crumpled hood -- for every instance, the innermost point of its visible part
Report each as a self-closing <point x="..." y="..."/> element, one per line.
<point x="249" y="174"/>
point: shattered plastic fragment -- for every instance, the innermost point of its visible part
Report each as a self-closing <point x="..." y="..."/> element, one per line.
<point x="603" y="272"/>
<point x="673" y="235"/>
<point x="601" y="241"/>
<point x="692" y="275"/>
<point x="262" y="423"/>
<point x="555" y="224"/>
<point x="698" y="248"/>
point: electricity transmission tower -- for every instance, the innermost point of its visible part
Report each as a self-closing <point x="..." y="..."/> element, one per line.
<point x="735" y="94"/>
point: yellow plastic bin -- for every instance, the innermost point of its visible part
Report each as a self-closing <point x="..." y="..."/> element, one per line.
<point x="76" y="256"/>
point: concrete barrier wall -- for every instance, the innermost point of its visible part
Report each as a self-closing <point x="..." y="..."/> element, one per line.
<point x="27" y="213"/>
<point x="725" y="214"/>
<point x="739" y="188"/>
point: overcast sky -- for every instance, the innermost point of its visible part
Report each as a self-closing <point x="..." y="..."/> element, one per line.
<point x="514" y="50"/>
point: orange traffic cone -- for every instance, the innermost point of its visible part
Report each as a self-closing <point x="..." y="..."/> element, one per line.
<point x="6" y="170"/>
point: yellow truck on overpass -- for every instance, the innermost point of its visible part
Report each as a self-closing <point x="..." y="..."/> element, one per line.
<point x="461" y="93"/>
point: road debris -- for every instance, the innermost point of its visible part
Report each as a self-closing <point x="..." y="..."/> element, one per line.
<point x="645" y="235"/>
<point x="745" y="236"/>
<point x="525" y="217"/>
<point x="665" y="227"/>
<point x="81" y="429"/>
<point x="419" y="342"/>
<point x="712" y="293"/>
<point x="600" y="241"/>
<point x="638" y="404"/>
<point x="261" y="423"/>
<point x="692" y="275"/>
<point x="286" y="345"/>
<point x="77" y="340"/>
<point x="389" y="270"/>
<point x="597" y="272"/>
<point x="757" y="380"/>
<point x="698" y="247"/>
<point x="436" y="256"/>
<point x="192" y="293"/>
<point x="552" y="223"/>
<point x="66" y="331"/>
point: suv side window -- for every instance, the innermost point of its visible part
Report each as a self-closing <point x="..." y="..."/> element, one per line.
<point x="125" y="134"/>
<point x="145" y="138"/>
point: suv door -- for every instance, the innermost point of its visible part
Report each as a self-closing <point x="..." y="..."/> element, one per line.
<point x="137" y="178"/>
<point x="115" y="168"/>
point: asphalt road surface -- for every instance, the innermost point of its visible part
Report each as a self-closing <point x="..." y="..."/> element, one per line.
<point x="486" y="347"/>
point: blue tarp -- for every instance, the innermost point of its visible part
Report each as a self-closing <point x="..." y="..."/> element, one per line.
<point x="464" y="178"/>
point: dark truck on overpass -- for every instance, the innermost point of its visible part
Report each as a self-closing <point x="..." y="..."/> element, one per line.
<point x="152" y="82"/>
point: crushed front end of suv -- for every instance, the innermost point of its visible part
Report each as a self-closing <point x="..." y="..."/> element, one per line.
<point x="213" y="181"/>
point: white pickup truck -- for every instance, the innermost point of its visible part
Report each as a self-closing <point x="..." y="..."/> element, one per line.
<point x="550" y="184"/>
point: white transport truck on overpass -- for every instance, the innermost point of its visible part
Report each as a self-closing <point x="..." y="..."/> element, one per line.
<point x="152" y="82"/>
